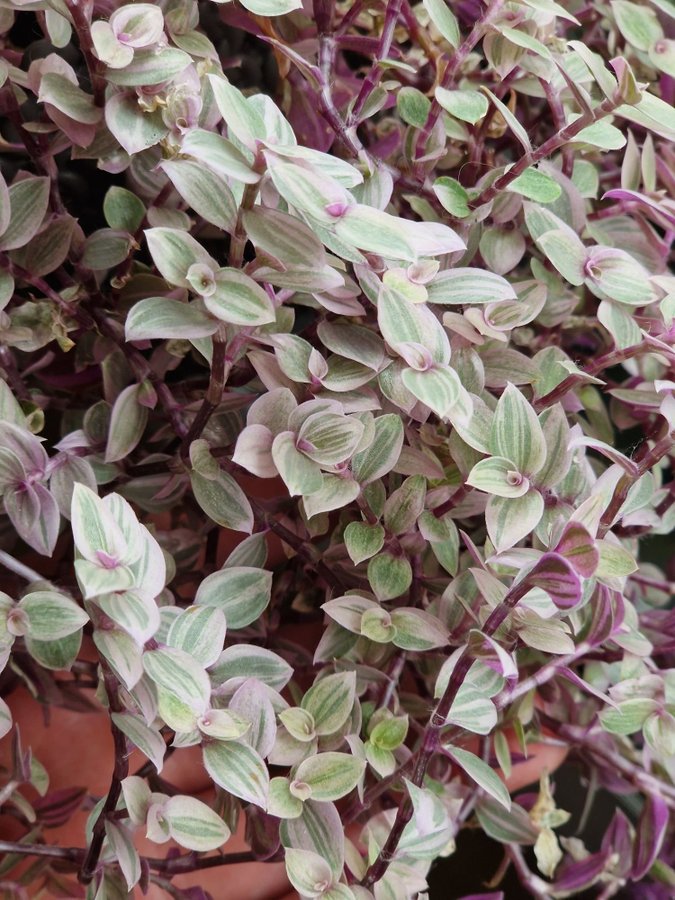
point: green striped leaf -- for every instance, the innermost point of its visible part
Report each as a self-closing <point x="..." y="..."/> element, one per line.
<point x="174" y="251"/>
<point x="330" y="701"/>
<point x="238" y="769"/>
<point x="199" y="631"/>
<point x="383" y="453"/>
<point x="301" y="475"/>
<point x="148" y="740"/>
<point x="473" y="711"/>
<point x="136" y="614"/>
<point x="51" y="615"/>
<point x="509" y="520"/>
<point x="480" y="772"/>
<point x="507" y="827"/>
<point x="438" y="388"/>
<point x="122" y="653"/>
<point x="465" y="287"/>
<point x="127" y="424"/>
<point x="122" y="844"/>
<point x="498" y="476"/>
<point x="444" y="20"/>
<point x="193" y="824"/>
<point x="160" y="317"/>
<point x="223" y="501"/>
<point x="240" y="592"/>
<point x="330" y="775"/>
<point x="246" y="661"/>
<point x="56" y="655"/>
<point x="307" y="870"/>
<point x="28" y="199"/>
<point x="94" y="528"/>
<point x="402" y="322"/>
<point x="218" y="154"/>
<point x="318" y="828"/>
<point x="177" y="672"/>
<point x="516" y="433"/>
<point x="237" y="299"/>
<point x="206" y="192"/>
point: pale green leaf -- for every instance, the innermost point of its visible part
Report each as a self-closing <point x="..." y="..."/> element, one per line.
<point x="480" y="772"/>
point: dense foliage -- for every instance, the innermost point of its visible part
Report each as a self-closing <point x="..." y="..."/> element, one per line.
<point x="387" y="282"/>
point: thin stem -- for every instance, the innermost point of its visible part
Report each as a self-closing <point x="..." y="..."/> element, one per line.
<point x="634" y="773"/>
<point x="19" y="568"/>
<point x="176" y="865"/>
<point x="73" y="854"/>
<point x="120" y="772"/>
<point x="371" y="80"/>
<point x="456" y="62"/>
<point x="432" y="732"/>
<point x="555" y="142"/>
<point x="452" y="501"/>
<point x="558" y="111"/>
<point x="304" y="549"/>
<point x="531" y="882"/>
<point x="662" y="448"/>
<point x="542" y="675"/>
<point x="593" y="367"/>
<point x="81" y="11"/>
<point x="223" y="357"/>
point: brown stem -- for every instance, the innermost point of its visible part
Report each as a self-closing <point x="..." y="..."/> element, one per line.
<point x="560" y="139"/>
<point x="120" y="772"/>
<point x="81" y="12"/>
<point x="432" y="732"/>
<point x="650" y="459"/>
<point x="371" y="80"/>
<point x="534" y="885"/>
<point x="72" y="854"/>
<point x="457" y="60"/>
<point x="606" y="361"/>
<point x="222" y="360"/>
<point x="452" y="501"/>
<point x="176" y="865"/>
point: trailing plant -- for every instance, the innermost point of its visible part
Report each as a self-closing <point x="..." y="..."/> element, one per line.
<point x="357" y="316"/>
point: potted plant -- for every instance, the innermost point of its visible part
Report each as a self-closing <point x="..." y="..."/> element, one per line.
<point x="336" y="427"/>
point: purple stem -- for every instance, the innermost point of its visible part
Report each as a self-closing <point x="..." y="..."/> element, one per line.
<point x="432" y="732"/>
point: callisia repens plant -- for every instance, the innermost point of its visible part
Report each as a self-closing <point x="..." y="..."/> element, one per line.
<point x="384" y="285"/>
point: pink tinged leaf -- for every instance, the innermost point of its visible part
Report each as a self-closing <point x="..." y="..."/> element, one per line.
<point x="252" y="702"/>
<point x="5" y="212"/>
<point x="80" y="133"/>
<point x="618" y="839"/>
<point x="29" y="199"/>
<point x="608" y="614"/>
<point x="138" y="24"/>
<point x="108" y="47"/>
<point x="579" y="875"/>
<point x="587" y="688"/>
<point x="133" y="128"/>
<point x="23" y="507"/>
<point x="659" y="212"/>
<point x="555" y="575"/>
<point x="495" y="895"/>
<point x="486" y="648"/>
<point x="25" y="446"/>
<point x="12" y="472"/>
<point x="253" y="451"/>
<point x="578" y="548"/>
<point x="651" y="832"/>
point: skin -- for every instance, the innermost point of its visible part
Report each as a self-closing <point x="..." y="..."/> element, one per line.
<point x="89" y="761"/>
